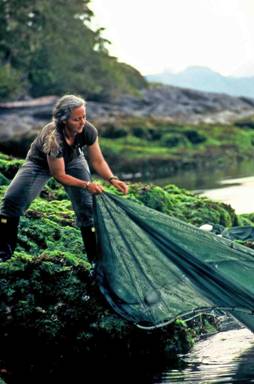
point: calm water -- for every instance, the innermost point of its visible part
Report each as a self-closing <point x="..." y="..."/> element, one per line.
<point x="209" y="179"/>
<point x="226" y="357"/>
<point x="233" y="185"/>
<point x="239" y="193"/>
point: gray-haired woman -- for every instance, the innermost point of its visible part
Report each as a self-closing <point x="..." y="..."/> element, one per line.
<point x="57" y="152"/>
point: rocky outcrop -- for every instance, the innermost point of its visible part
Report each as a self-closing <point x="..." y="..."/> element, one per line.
<point x="179" y="105"/>
<point x="23" y="119"/>
<point x="55" y="324"/>
<point x="20" y="121"/>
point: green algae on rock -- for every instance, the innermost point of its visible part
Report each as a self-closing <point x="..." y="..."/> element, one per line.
<point x="51" y="310"/>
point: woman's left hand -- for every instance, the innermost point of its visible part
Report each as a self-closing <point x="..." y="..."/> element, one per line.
<point x="120" y="185"/>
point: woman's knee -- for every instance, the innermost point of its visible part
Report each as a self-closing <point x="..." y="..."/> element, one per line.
<point x="16" y="199"/>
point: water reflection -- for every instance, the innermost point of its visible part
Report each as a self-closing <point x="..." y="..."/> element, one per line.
<point x="226" y="357"/>
<point x="236" y="192"/>
<point x="209" y="178"/>
<point x="233" y="185"/>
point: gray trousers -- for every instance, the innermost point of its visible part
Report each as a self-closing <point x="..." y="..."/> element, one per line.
<point x="30" y="180"/>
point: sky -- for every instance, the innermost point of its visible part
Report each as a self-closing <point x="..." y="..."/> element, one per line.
<point x="161" y="35"/>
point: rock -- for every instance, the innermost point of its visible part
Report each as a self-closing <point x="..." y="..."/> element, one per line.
<point x="206" y="227"/>
<point x="21" y="120"/>
<point x="52" y="312"/>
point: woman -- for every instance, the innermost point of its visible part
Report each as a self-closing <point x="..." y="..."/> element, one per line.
<point x="57" y="152"/>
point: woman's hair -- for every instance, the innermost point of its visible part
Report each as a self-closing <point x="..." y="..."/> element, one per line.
<point x="61" y="112"/>
<point x="64" y="107"/>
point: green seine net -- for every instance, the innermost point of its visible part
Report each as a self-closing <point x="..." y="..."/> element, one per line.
<point x="153" y="268"/>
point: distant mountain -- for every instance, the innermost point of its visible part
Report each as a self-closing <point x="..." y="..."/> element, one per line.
<point x="204" y="79"/>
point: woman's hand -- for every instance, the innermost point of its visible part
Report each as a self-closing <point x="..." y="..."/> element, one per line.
<point x="120" y="185"/>
<point x="94" y="188"/>
<point x="101" y="167"/>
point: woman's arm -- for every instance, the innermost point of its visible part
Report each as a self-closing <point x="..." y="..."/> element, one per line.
<point x="57" y="170"/>
<point x="102" y="168"/>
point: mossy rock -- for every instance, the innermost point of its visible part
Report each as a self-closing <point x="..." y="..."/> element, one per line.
<point x="4" y="180"/>
<point x="245" y="122"/>
<point x="55" y="323"/>
<point x="9" y="165"/>
<point x="184" y="205"/>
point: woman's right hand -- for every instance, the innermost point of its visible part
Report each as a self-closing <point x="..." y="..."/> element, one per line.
<point x="94" y="188"/>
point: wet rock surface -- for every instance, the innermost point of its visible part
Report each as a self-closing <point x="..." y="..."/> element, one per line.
<point x="21" y="120"/>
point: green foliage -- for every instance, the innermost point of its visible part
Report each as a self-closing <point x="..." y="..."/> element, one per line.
<point x="184" y="205"/>
<point x="51" y="311"/>
<point x="12" y="86"/>
<point x="113" y="131"/>
<point x="44" y="301"/>
<point x="50" y="225"/>
<point x="49" y="48"/>
<point x="246" y="219"/>
<point x="3" y="180"/>
<point x="9" y="166"/>
<point x="156" y="148"/>
<point x="246" y="122"/>
<point x="194" y="136"/>
<point x="54" y="320"/>
<point x="174" y="140"/>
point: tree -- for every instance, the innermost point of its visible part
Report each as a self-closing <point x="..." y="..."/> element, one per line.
<point x="53" y="50"/>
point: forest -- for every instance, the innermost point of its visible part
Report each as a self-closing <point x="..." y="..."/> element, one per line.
<point x="49" y="48"/>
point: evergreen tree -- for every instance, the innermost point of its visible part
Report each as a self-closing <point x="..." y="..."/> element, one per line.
<point x="48" y="47"/>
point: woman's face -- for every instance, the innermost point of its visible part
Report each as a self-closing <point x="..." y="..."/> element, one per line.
<point x="76" y="122"/>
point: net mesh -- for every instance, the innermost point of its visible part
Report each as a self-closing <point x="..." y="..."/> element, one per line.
<point x="153" y="267"/>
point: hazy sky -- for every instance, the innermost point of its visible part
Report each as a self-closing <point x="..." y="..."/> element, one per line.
<point x="173" y="34"/>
